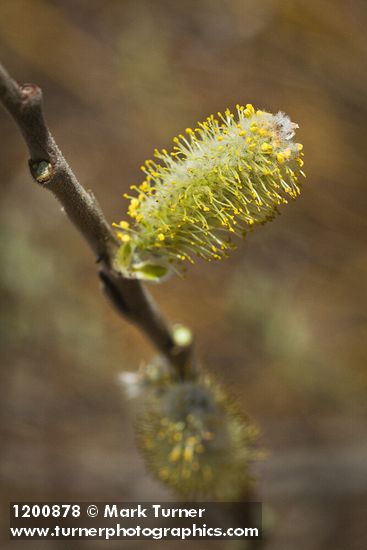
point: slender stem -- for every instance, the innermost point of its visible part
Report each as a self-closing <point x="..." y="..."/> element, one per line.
<point x="49" y="168"/>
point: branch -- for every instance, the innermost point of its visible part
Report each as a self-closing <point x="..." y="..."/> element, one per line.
<point x="49" y="168"/>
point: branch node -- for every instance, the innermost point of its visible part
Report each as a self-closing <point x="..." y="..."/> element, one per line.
<point x="41" y="170"/>
<point x="30" y="91"/>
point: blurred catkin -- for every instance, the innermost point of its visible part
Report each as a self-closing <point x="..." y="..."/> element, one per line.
<point x="192" y="435"/>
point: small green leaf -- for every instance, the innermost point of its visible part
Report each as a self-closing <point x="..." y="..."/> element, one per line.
<point x="123" y="255"/>
<point x="150" y="272"/>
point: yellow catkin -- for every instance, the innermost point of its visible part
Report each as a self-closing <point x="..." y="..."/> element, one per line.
<point x="228" y="175"/>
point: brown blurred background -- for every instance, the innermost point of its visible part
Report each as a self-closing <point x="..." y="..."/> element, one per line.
<point x="283" y="322"/>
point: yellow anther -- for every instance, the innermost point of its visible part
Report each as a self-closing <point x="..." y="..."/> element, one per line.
<point x="144" y="186"/>
<point x="124" y="237"/>
<point x="249" y="111"/>
<point x="175" y="453"/>
<point x="134" y="204"/>
<point x="122" y="225"/>
<point x="188" y="454"/>
<point x="266" y="148"/>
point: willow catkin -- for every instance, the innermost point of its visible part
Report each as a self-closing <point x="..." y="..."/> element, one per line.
<point x="196" y="441"/>
<point x="227" y="175"/>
